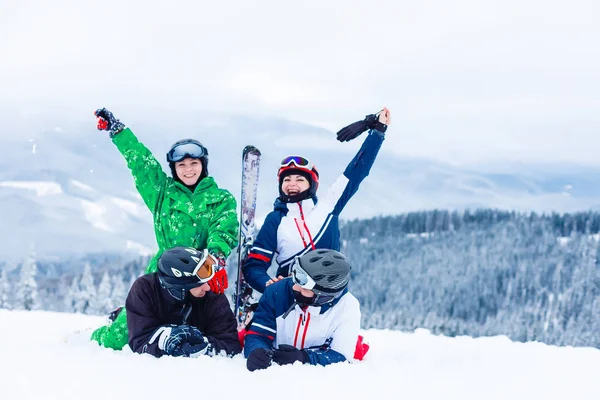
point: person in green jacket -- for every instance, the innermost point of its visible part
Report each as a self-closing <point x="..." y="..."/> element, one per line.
<point x="188" y="209"/>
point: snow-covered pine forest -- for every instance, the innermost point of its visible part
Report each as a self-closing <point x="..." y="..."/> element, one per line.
<point x="528" y="276"/>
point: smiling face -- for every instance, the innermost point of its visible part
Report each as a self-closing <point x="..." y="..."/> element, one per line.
<point x="294" y="184"/>
<point x="189" y="170"/>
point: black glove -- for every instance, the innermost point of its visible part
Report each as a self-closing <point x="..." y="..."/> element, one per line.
<point x="194" y="350"/>
<point x="182" y="340"/>
<point x="259" y="359"/>
<point x="106" y="121"/>
<point x="113" y="315"/>
<point x="287" y="354"/>
<point x="355" y="129"/>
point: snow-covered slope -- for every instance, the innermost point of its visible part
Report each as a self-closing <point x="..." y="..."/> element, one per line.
<point x="65" y="187"/>
<point x="48" y="356"/>
<point x="72" y="218"/>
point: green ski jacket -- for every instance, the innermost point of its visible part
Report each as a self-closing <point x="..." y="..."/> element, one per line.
<point x="204" y="219"/>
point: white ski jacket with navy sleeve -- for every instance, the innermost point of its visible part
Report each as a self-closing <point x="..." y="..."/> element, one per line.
<point x="327" y="333"/>
<point x="292" y="229"/>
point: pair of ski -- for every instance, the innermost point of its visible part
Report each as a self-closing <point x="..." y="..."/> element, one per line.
<point x="244" y="302"/>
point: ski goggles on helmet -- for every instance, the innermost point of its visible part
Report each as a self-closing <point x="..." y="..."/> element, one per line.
<point x="298" y="161"/>
<point x="186" y="149"/>
<point x="291" y="163"/>
<point x="300" y="276"/>
<point x="205" y="269"/>
<point x="302" y="279"/>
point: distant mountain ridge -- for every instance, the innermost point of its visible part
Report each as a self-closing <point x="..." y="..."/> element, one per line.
<point x="65" y="187"/>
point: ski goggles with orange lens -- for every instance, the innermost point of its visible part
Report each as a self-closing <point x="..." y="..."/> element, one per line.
<point x="205" y="269"/>
<point x="299" y="161"/>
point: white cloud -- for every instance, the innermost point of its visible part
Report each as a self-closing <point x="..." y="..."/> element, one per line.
<point x="465" y="80"/>
<point x="97" y="215"/>
<point x="141" y="249"/>
<point x="41" y="188"/>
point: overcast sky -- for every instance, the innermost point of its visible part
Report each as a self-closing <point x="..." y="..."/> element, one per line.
<point x="466" y="80"/>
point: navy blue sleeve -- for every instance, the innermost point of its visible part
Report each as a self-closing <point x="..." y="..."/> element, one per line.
<point x="262" y="252"/>
<point x="263" y="329"/>
<point x="359" y="167"/>
<point x="324" y="357"/>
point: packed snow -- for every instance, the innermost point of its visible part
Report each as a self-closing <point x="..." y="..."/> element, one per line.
<point x="47" y="355"/>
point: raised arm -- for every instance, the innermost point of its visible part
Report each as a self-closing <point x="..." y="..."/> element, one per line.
<point x="148" y="175"/>
<point x="358" y="169"/>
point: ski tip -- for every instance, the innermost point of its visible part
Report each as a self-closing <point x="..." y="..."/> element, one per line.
<point x="251" y="149"/>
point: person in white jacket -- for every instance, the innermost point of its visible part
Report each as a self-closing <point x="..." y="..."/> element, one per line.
<point x="300" y="221"/>
<point x="309" y="317"/>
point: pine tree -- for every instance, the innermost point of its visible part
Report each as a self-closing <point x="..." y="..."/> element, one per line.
<point x="119" y="292"/>
<point x="70" y="301"/>
<point x="27" y="294"/>
<point x="5" y="291"/>
<point x="104" y="300"/>
<point x="87" y="299"/>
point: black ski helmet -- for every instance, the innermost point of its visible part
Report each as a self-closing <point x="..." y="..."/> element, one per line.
<point x="176" y="268"/>
<point x="188" y="148"/>
<point x="330" y="270"/>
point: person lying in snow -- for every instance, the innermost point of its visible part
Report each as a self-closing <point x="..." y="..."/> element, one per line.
<point x="173" y="311"/>
<point x="309" y="318"/>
